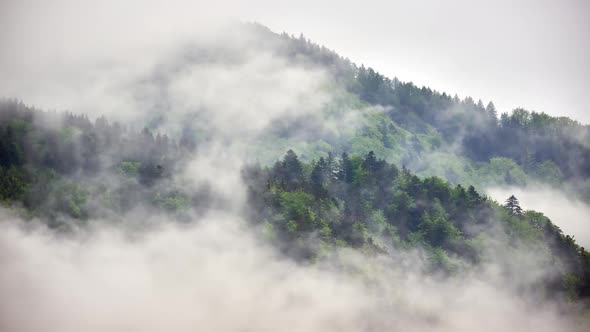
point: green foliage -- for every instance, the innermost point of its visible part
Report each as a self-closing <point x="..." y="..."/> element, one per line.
<point x="14" y="183"/>
<point x="406" y="124"/>
<point x="438" y="232"/>
<point x="548" y="172"/>
<point x="70" y="198"/>
<point x="172" y="201"/>
<point x="129" y="168"/>
<point x="295" y="204"/>
<point x="376" y="223"/>
<point x="360" y="201"/>
<point x="440" y="261"/>
<point x="505" y="169"/>
<point x="368" y="204"/>
<point x="571" y="284"/>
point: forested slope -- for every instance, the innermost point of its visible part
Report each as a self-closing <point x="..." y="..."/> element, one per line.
<point x="513" y="147"/>
<point x="67" y="170"/>
<point x="380" y="167"/>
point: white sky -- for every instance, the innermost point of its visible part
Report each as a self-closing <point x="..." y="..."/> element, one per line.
<point x="529" y="53"/>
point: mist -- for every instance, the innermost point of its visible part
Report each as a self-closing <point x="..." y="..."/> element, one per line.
<point x="503" y="43"/>
<point x="564" y="210"/>
<point x="216" y="274"/>
<point x="144" y="271"/>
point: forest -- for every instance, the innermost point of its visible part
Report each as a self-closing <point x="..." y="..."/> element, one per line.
<point x="545" y="148"/>
<point x="267" y="179"/>
<point x="65" y="169"/>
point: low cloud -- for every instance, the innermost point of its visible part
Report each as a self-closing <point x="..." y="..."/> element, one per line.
<point x="148" y="273"/>
<point x="215" y="274"/>
<point x="567" y="212"/>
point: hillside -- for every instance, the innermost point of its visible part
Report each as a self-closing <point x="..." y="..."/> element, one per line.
<point x="345" y="107"/>
<point x="461" y="140"/>
<point x="67" y="171"/>
<point x="351" y="178"/>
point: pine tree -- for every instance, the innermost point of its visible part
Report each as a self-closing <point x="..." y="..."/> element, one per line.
<point x="293" y="171"/>
<point x="480" y="105"/>
<point x="370" y="162"/>
<point x="318" y="179"/>
<point x="492" y="113"/>
<point x="346" y="171"/>
<point x="513" y="206"/>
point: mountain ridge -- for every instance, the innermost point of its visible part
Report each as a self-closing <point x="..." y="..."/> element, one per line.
<point x="373" y="166"/>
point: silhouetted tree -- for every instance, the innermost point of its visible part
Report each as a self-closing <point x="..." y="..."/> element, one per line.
<point x="513" y="206"/>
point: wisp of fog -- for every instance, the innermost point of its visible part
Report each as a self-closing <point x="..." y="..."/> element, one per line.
<point x="570" y="214"/>
<point x="148" y="273"/>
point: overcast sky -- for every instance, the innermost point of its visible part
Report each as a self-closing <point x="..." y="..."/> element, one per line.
<point x="530" y="53"/>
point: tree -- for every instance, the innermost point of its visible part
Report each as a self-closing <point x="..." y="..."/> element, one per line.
<point x="370" y="162"/>
<point x="346" y="171"/>
<point x="474" y="197"/>
<point x="513" y="206"/>
<point x="492" y="113"/>
<point x="480" y="105"/>
<point x="330" y="167"/>
<point x="318" y="178"/>
<point x="293" y="171"/>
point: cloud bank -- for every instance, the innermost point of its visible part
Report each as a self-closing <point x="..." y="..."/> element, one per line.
<point x="148" y="273"/>
<point x="217" y="275"/>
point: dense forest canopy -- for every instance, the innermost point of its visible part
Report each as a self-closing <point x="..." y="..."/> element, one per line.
<point x="383" y="169"/>
<point x="65" y="168"/>
<point x="547" y="148"/>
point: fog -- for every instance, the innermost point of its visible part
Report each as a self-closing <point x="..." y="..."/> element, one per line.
<point x="216" y="275"/>
<point x="149" y="273"/>
<point x="564" y="210"/>
<point x="531" y="55"/>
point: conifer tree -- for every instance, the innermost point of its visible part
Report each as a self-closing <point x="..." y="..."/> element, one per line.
<point x="513" y="206"/>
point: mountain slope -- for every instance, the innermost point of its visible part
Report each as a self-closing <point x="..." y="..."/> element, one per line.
<point x="344" y="173"/>
<point x="78" y="171"/>
<point x="461" y="140"/>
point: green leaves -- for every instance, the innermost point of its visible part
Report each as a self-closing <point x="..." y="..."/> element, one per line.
<point x="14" y="183"/>
<point x="129" y="169"/>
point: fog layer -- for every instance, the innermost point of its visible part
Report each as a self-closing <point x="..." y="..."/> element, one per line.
<point x="565" y="211"/>
<point x="215" y="275"/>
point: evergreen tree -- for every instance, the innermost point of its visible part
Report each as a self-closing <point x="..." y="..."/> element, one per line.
<point x="292" y="171"/>
<point x="370" y="162"/>
<point x="318" y="178"/>
<point x="346" y="172"/>
<point x="513" y="206"/>
<point x="492" y="115"/>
